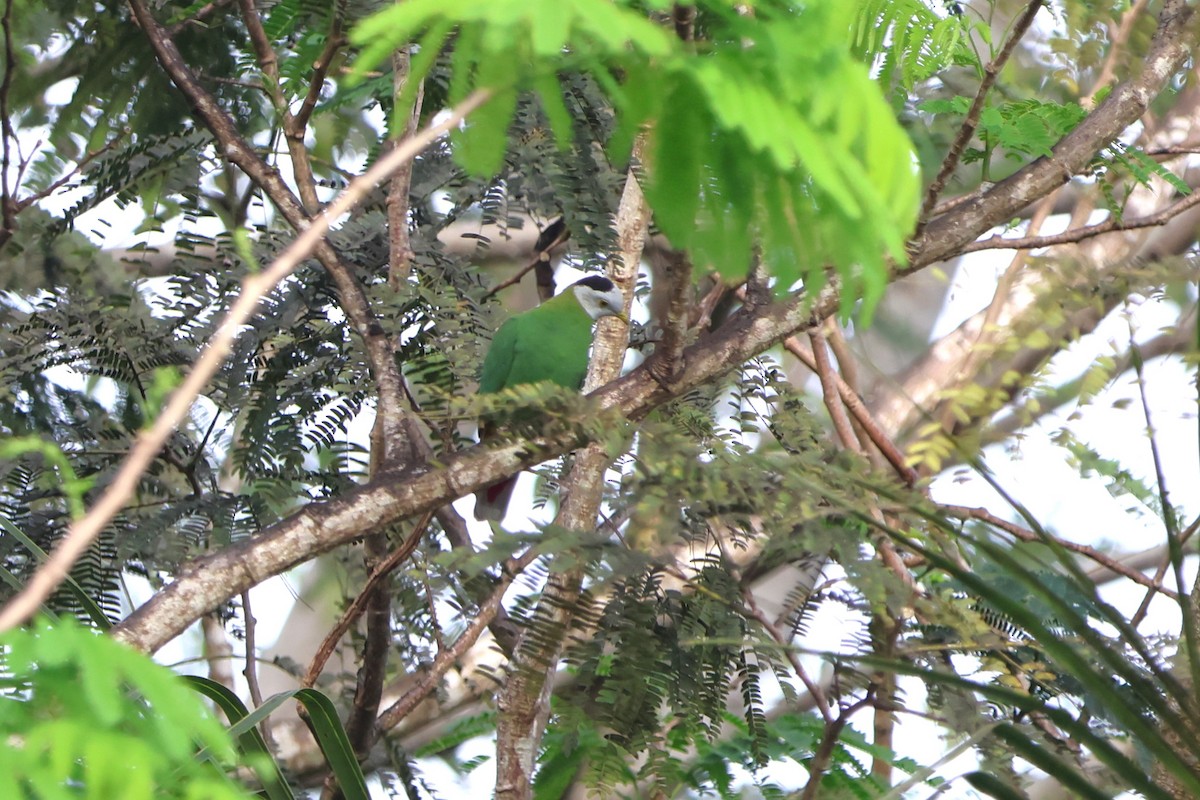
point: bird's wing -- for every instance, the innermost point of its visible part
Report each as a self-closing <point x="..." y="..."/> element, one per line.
<point x="497" y="364"/>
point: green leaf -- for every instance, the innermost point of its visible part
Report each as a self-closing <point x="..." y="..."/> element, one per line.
<point x="249" y="739"/>
<point x="990" y="784"/>
<point x="561" y="123"/>
<point x="89" y="605"/>
<point x="679" y="146"/>
<point x="331" y="736"/>
<point x="549" y="29"/>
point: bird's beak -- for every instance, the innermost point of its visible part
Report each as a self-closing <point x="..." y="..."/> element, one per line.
<point x="621" y="315"/>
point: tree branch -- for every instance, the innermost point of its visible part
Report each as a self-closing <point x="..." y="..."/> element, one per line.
<point x="380" y="573"/>
<point x="333" y="42"/>
<point x="829" y="391"/>
<point x="254" y="286"/>
<point x="524" y="703"/>
<point x="7" y="210"/>
<point x="1025" y="535"/>
<point x="205" y="583"/>
<point x="998" y="242"/>
<point x="672" y="312"/>
<point x="400" y="252"/>
<point x="446" y="658"/>
<point x="944" y="236"/>
<point x="379" y="350"/>
<point x="971" y="121"/>
<point x="861" y="415"/>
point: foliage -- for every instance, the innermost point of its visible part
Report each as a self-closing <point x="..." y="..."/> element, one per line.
<point x="796" y="167"/>
<point x="775" y="144"/>
<point x="911" y="41"/>
<point x="83" y="716"/>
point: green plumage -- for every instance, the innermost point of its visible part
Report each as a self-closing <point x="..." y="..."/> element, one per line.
<point x="547" y="343"/>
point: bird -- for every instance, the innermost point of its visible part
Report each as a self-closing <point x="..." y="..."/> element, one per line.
<point x="546" y="343"/>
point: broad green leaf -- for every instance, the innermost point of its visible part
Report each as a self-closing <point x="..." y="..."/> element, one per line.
<point x="680" y="143"/>
<point x="549" y="30"/>
<point x="249" y="739"/>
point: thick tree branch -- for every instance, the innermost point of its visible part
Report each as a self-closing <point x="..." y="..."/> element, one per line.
<point x="671" y="308"/>
<point x="1107" y="258"/>
<point x="208" y="581"/>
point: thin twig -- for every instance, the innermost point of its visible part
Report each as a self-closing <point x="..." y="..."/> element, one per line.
<point x="333" y="42"/>
<point x="513" y="281"/>
<point x="10" y="64"/>
<point x="971" y="122"/>
<point x="861" y="415"/>
<point x="847" y="365"/>
<point x="1160" y="573"/>
<point x="847" y="370"/>
<point x="998" y="242"/>
<point x="254" y="287"/>
<point x="702" y="312"/>
<point x="1026" y="535"/>
<point x="251" y="668"/>
<point x="554" y="235"/>
<point x="356" y="608"/>
<point x="1170" y="523"/>
<point x="814" y="689"/>
<point x="446" y="658"/>
<point x="377" y="639"/>
<point x="400" y="252"/>
<point x="829" y="390"/>
<point x="293" y="131"/>
<point x="198" y="16"/>
<point x="1118" y="39"/>
<point x="20" y="205"/>
<point x="823" y="755"/>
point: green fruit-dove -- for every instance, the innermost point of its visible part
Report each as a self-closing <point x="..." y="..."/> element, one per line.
<point x="547" y="343"/>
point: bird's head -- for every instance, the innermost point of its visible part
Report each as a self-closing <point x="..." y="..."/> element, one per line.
<point x="600" y="297"/>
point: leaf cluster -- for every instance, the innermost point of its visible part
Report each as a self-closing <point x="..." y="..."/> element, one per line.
<point x="730" y="164"/>
<point x="83" y="716"/>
